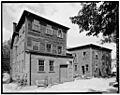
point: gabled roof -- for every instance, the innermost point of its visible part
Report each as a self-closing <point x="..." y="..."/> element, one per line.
<point x="89" y="46"/>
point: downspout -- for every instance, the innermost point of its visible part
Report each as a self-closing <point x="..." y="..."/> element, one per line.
<point x="30" y="69"/>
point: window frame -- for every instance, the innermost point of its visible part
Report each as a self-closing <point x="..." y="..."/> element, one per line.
<point x="38" y="45"/>
<point x="42" y="66"/>
<point x="47" y="49"/>
<point x="58" y="33"/>
<point x="51" y="66"/>
<point x="49" y="27"/>
<point x="34" y="24"/>
<point x="58" y="50"/>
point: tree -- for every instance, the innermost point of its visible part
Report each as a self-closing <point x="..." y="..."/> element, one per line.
<point x="96" y="20"/>
<point x="102" y="19"/>
<point x="6" y="56"/>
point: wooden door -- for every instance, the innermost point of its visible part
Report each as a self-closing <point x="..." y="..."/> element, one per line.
<point x="63" y="73"/>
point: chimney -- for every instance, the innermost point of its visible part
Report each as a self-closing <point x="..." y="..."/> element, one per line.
<point x="14" y="27"/>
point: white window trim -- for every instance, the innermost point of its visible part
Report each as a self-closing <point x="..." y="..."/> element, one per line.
<point x="53" y="66"/>
<point x="38" y="65"/>
<point x="61" y="32"/>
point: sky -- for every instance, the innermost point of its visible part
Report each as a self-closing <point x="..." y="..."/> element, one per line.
<point x="57" y="12"/>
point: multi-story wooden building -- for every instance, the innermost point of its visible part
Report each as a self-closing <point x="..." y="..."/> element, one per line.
<point x="91" y="60"/>
<point x="38" y="51"/>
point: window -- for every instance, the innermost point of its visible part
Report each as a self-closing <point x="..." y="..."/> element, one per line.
<point x="51" y="65"/>
<point x="40" y="65"/>
<point x="49" y="30"/>
<point x="96" y="56"/>
<point x="84" y="53"/>
<point x="75" y="67"/>
<point x="35" y="45"/>
<point x="48" y="47"/>
<point x="86" y="67"/>
<point x="59" y="50"/>
<point x="60" y="33"/>
<point x="36" y="25"/>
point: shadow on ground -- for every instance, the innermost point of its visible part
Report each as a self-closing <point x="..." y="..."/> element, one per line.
<point x="111" y="90"/>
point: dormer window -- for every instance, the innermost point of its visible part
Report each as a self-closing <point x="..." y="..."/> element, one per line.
<point x="60" y="33"/>
<point x="36" y="25"/>
<point x="49" y="30"/>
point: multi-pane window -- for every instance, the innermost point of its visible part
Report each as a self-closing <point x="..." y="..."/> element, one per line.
<point x="59" y="50"/>
<point x="86" y="67"/>
<point x="60" y="33"/>
<point x="48" y="47"/>
<point x="40" y="65"/>
<point x="49" y="30"/>
<point x="75" y="67"/>
<point x="36" y="25"/>
<point x="35" y="45"/>
<point x="51" y="65"/>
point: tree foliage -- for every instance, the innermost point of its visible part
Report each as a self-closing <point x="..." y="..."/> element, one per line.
<point x="98" y="19"/>
<point x="6" y="56"/>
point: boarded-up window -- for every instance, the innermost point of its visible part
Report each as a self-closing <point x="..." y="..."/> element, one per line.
<point x="49" y="30"/>
<point x="51" y="65"/>
<point x="35" y="45"/>
<point x="40" y="65"/>
<point x="36" y="25"/>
